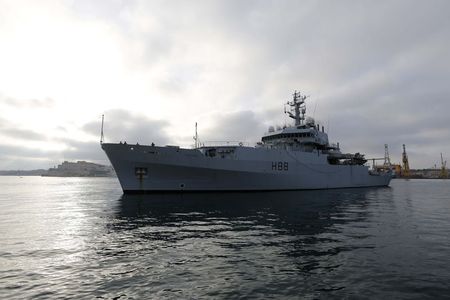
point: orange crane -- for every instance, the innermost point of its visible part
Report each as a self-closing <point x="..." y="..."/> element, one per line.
<point x="405" y="171"/>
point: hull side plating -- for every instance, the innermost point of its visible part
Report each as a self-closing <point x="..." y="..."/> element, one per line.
<point x="151" y="169"/>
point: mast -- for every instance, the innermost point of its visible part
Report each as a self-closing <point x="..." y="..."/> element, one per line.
<point x="298" y="108"/>
<point x="101" y="133"/>
<point x="196" y="137"/>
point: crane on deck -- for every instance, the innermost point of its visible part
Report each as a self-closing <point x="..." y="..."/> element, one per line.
<point x="387" y="165"/>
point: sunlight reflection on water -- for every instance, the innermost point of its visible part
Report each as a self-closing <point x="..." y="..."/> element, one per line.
<point x="65" y="237"/>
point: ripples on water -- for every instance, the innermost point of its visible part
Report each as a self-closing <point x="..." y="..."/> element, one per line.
<point x="81" y="238"/>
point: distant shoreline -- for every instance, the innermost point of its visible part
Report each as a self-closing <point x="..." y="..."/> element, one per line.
<point x="37" y="175"/>
<point x="66" y="169"/>
<point x="37" y="172"/>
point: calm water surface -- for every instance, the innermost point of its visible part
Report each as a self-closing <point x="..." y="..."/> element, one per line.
<point x="81" y="238"/>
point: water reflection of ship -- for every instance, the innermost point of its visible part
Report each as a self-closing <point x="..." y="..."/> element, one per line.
<point x="299" y="221"/>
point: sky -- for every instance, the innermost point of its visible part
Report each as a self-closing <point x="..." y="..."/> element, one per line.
<point x="377" y="72"/>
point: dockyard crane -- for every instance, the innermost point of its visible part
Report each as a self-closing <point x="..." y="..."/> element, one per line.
<point x="444" y="173"/>
<point x="405" y="171"/>
<point x="387" y="159"/>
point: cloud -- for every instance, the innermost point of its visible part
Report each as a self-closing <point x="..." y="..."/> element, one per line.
<point x="24" y="156"/>
<point x="123" y="125"/>
<point x="378" y="74"/>
<point x="12" y="131"/>
<point x="23" y="134"/>
<point x="90" y="151"/>
<point x="241" y="126"/>
<point x="28" y="103"/>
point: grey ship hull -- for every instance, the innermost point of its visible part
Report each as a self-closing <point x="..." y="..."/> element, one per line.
<point x="142" y="169"/>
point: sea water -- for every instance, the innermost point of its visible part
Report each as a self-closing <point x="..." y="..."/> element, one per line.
<point x="81" y="238"/>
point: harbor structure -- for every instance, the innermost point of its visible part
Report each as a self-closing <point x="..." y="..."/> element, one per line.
<point x="444" y="172"/>
<point x="80" y="169"/>
<point x="405" y="170"/>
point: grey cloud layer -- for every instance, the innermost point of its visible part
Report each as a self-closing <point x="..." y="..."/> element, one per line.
<point x="379" y="70"/>
<point x="241" y="126"/>
<point x="122" y="125"/>
<point x="27" y="103"/>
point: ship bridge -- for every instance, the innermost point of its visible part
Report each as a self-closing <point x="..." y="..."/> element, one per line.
<point x="305" y="131"/>
<point x="300" y="135"/>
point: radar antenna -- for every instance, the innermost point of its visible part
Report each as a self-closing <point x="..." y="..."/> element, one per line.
<point x="298" y="108"/>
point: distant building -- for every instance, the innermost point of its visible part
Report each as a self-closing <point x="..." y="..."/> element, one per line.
<point x="423" y="174"/>
<point x="80" y="169"/>
<point x="426" y="173"/>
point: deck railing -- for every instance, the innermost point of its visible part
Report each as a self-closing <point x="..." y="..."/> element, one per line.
<point x="224" y="144"/>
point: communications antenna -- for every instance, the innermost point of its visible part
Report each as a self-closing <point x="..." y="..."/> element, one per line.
<point x="405" y="171"/>
<point x="298" y="108"/>
<point x="444" y="172"/>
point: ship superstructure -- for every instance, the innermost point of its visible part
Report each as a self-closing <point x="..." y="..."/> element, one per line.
<point x="307" y="136"/>
<point x="293" y="157"/>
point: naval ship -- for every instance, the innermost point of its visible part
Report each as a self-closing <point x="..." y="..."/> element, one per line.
<point x="295" y="157"/>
